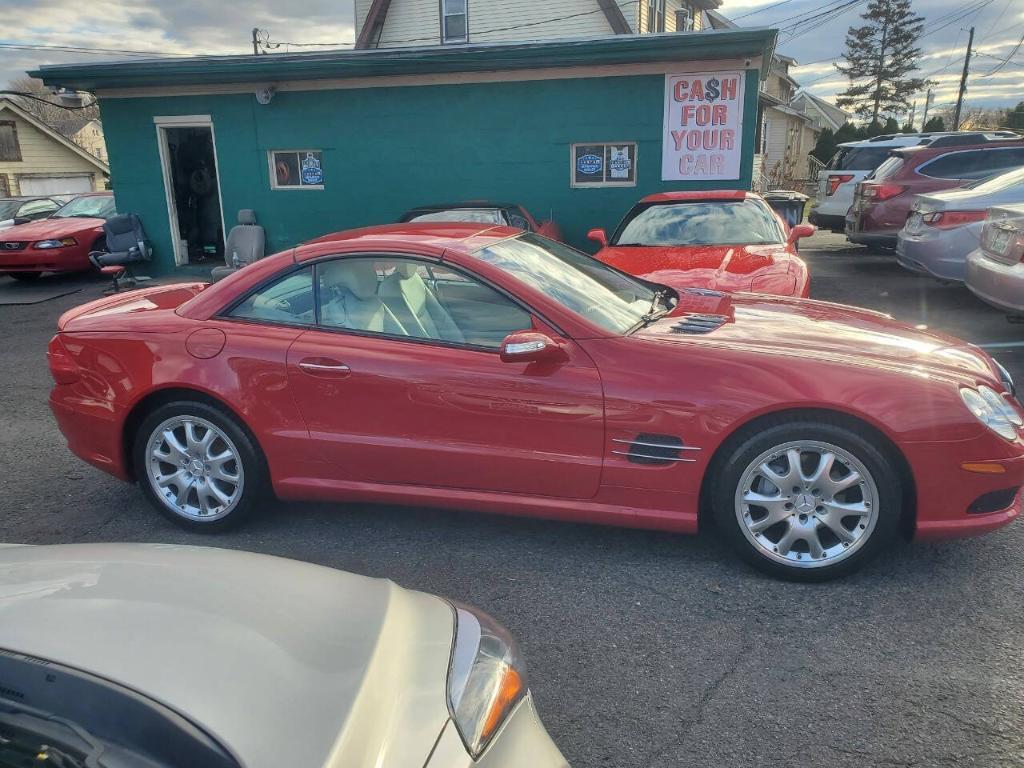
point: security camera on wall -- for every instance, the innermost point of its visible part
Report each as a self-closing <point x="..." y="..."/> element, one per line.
<point x="265" y="94"/>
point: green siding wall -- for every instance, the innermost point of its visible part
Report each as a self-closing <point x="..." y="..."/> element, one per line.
<point x="389" y="149"/>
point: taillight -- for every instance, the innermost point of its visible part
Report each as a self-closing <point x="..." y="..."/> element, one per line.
<point x="952" y="219"/>
<point x="62" y="366"/>
<point x="835" y="181"/>
<point x="879" y="192"/>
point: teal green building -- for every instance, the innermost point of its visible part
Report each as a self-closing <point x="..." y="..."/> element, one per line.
<point x="577" y="130"/>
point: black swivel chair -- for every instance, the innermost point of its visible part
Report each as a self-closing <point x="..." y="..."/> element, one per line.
<point x="127" y="244"/>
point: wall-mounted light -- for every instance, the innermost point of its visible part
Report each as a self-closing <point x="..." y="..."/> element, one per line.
<point x="265" y="93"/>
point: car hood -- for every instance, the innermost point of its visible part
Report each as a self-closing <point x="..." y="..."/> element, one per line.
<point x="45" y="229"/>
<point x="285" y="663"/>
<point x="725" y="267"/>
<point x="817" y="330"/>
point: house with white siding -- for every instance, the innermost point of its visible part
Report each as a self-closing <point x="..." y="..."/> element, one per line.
<point x="408" y="23"/>
<point x="36" y="159"/>
<point x="788" y="134"/>
<point x="823" y="114"/>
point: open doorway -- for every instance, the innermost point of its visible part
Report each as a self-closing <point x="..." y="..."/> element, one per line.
<point x="189" y="158"/>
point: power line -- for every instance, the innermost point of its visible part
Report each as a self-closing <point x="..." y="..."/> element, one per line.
<point x="32" y="96"/>
<point x="759" y="10"/>
<point x="82" y="49"/>
<point x="1008" y="57"/>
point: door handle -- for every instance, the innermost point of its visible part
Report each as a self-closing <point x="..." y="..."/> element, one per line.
<point x="324" y="368"/>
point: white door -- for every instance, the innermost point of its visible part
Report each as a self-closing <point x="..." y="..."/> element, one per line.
<point x="54" y="185"/>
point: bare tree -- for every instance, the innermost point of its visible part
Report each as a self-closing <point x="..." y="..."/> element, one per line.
<point x="48" y="110"/>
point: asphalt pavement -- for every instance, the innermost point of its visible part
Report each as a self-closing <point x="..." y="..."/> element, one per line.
<point x="644" y="648"/>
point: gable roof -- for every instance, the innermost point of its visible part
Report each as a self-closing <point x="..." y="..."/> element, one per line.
<point x="35" y="122"/>
<point x="832" y="113"/>
<point x="72" y="123"/>
<point x="378" y="14"/>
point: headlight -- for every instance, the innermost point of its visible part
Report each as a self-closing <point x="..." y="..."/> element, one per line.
<point x="62" y="243"/>
<point x="992" y="410"/>
<point x="1006" y="378"/>
<point x="486" y="679"/>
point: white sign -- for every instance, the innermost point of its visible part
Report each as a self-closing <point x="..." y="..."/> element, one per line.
<point x="703" y="132"/>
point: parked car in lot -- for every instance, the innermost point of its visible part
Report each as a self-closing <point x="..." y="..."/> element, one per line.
<point x="172" y="656"/>
<point x="482" y="367"/>
<point x="724" y="239"/>
<point x="61" y="243"/>
<point x="995" y="270"/>
<point x="944" y="227"/>
<point x="484" y="212"/>
<point x="882" y="203"/>
<point x="851" y="164"/>
<point x="21" y="210"/>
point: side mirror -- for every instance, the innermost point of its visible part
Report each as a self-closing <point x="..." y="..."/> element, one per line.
<point x="801" y="230"/>
<point x="21" y="220"/>
<point x="598" y="235"/>
<point x="529" y="347"/>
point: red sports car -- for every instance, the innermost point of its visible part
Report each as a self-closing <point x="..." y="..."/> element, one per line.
<point x="724" y="239"/>
<point x="486" y="368"/>
<point x="61" y="243"/>
<point x="483" y="212"/>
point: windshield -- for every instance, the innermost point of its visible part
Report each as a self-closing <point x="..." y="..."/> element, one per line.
<point x="580" y="283"/>
<point x="481" y="215"/>
<point x="888" y="168"/>
<point x="735" y="222"/>
<point x="858" y="158"/>
<point x="90" y="206"/>
<point x="9" y="207"/>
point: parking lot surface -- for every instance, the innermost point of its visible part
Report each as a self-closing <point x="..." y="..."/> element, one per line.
<point x="644" y="649"/>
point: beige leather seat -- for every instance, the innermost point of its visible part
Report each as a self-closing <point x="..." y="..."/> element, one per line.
<point x="415" y="306"/>
<point x="353" y="285"/>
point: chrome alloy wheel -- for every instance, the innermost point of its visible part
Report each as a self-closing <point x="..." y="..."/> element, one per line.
<point x="807" y="504"/>
<point x="194" y="468"/>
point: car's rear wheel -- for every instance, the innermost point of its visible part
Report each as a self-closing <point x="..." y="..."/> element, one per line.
<point x="197" y="466"/>
<point x="807" y="501"/>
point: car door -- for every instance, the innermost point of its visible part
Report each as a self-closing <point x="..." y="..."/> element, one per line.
<point x="387" y="403"/>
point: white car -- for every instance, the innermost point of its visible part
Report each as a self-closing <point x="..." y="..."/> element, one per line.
<point x="851" y="164"/>
<point x="166" y="656"/>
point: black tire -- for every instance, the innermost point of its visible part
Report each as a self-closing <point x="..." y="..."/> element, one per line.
<point x="255" y="487"/>
<point x="26" y="277"/>
<point x="748" y="446"/>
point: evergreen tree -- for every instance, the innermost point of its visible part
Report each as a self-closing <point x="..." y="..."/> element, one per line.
<point x="873" y="129"/>
<point x="908" y="128"/>
<point x="879" y="58"/>
<point x="891" y="126"/>
<point x="825" y="147"/>
<point x="1015" y="117"/>
<point x="847" y="132"/>
<point x="934" y="124"/>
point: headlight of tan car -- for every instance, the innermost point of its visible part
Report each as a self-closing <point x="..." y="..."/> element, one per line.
<point x="486" y="678"/>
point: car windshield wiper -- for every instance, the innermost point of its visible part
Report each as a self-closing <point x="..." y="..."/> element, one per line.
<point x="653" y="313"/>
<point x="80" y="749"/>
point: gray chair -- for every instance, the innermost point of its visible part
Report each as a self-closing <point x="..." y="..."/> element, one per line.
<point x="246" y="243"/>
<point x="127" y="244"/>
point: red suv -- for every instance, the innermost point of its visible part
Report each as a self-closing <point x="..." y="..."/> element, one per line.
<point x="882" y="201"/>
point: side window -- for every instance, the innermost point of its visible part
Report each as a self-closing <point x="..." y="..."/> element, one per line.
<point x="288" y="300"/>
<point x="1002" y="160"/>
<point x="955" y="165"/>
<point x="406" y="297"/>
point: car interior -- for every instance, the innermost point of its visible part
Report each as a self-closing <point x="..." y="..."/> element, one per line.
<point x="396" y="297"/>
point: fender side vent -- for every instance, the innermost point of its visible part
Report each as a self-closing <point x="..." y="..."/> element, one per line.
<point x="697" y="323"/>
<point x="652" y="450"/>
<point x="993" y="501"/>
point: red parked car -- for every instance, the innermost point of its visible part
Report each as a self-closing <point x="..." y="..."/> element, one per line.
<point x="61" y="243"/>
<point x="480" y="367"/>
<point x="882" y="202"/>
<point x="725" y="239"/>
<point x="484" y="212"/>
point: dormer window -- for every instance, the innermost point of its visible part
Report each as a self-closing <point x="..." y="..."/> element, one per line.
<point x="655" y="15"/>
<point x="454" y="21"/>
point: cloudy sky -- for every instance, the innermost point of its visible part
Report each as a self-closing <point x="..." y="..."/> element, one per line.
<point x="224" y="26"/>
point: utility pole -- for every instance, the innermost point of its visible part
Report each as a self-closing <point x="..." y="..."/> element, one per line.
<point x="927" y="104"/>
<point x="913" y="114"/>
<point x="255" y="41"/>
<point x="963" y="82"/>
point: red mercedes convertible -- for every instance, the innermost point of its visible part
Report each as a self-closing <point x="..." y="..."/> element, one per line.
<point x="723" y="239"/>
<point x="481" y="367"/>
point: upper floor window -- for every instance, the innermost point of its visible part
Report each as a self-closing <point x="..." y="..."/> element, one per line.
<point x="454" y="21"/>
<point x="655" y="15"/>
<point x="9" y="148"/>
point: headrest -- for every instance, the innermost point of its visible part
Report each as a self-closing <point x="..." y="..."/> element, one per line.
<point x="357" y="276"/>
<point x="247" y="216"/>
<point x="121" y="225"/>
<point x="406" y="270"/>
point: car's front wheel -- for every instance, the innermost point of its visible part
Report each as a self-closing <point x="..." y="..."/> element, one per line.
<point x="807" y="501"/>
<point x="197" y="466"/>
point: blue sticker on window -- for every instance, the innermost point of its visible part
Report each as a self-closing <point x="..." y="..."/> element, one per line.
<point x="312" y="173"/>
<point x="590" y="164"/>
